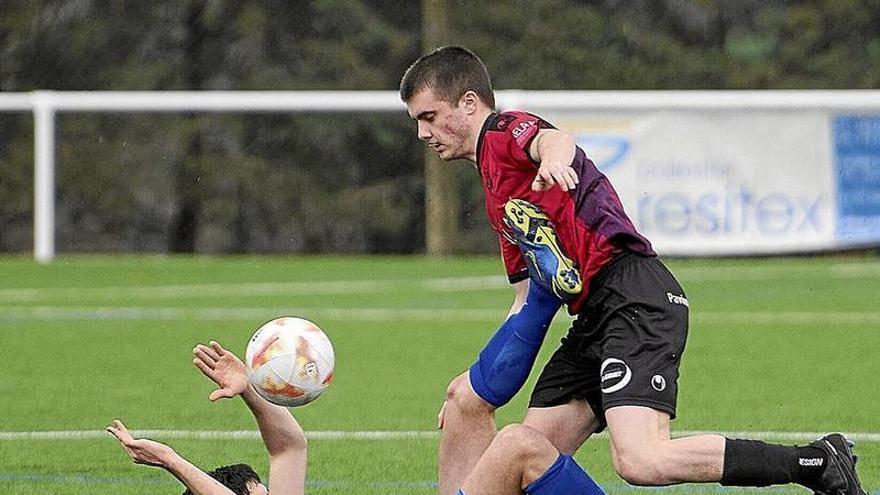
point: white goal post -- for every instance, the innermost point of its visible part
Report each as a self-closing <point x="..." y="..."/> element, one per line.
<point x="46" y="104"/>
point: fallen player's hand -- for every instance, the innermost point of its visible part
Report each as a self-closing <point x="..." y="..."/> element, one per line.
<point x="141" y="450"/>
<point x="555" y="173"/>
<point x="223" y="368"/>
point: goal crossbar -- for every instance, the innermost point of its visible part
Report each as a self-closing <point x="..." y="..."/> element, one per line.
<point x="46" y="104"/>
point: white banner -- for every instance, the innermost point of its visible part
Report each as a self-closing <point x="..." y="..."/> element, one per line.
<point x="739" y="182"/>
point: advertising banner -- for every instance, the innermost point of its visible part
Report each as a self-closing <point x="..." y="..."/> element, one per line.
<point x="857" y="172"/>
<point x="704" y="182"/>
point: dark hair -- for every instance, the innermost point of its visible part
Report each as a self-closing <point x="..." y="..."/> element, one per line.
<point x="236" y="477"/>
<point x="449" y="71"/>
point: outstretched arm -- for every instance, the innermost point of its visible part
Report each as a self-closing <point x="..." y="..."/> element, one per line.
<point x="282" y="435"/>
<point x="555" y="151"/>
<point x="152" y="453"/>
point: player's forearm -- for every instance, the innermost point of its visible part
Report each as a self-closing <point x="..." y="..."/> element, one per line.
<point x="555" y="147"/>
<point x="280" y="431"/>
<point x="194" y="478"/>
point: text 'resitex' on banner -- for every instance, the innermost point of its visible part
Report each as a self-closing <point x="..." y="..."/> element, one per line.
<point x="700" y="182"/>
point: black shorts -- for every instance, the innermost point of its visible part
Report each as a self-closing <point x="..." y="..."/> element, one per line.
<point x="625" y="346"/>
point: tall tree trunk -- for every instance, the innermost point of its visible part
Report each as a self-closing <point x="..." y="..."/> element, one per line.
<point x="441" y="195"/>
<point x="185" y="225"/>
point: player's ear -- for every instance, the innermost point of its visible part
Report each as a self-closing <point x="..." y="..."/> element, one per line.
<point x="469" y="101"/>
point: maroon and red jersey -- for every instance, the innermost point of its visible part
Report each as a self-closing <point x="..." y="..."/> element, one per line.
<point x="589" y="220"/>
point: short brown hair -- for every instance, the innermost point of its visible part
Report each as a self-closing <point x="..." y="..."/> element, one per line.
<point x="449" y="71"/>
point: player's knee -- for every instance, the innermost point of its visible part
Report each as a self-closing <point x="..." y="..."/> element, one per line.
<point x="639" y="465"/>
<point x="517" y="439"/>
<point x="527" y="448"/>
<point x="461" y="398"/>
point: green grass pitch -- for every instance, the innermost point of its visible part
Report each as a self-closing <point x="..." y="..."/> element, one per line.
<point x="779" y="348"/>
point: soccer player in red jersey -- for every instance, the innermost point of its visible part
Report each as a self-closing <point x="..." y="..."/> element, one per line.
<point x="566" y="238"/>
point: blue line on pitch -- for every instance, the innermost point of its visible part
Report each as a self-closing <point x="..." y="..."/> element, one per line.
<point x="615" y="487"/>
<point x="378" y="485"/>
<point x="83" y="479"/>
<point x="697" y="488"/>
<point x="103" y="480"/>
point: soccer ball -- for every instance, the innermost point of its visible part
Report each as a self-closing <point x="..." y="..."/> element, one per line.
<point x="290" y="361"/>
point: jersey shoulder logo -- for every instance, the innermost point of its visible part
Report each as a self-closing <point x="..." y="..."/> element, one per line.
<point x="524" y="131"/>
<point x="522" y="127"/>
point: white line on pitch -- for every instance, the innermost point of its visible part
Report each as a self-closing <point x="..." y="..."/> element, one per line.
<point x="215" y="435"/>
<point x="866" y="269"/>
<point x="56" y="313"/>
<point x="438" y="284"/>
<point x="787" y="317"/>
<point x="200" y="290"/>
<point x="305" y="288"/>
<point x="69" y="313"/>
<point x="757" y="272"/>
<point x="795" y="436"/>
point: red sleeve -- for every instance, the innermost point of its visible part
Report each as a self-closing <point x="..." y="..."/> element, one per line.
<point x="514" y="263"/>
<point x="521" y="131"/>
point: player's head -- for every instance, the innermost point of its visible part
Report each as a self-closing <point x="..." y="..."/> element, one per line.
<point x="240" y="478"/>
<point x="449" y="94"/>
<point x="449" y="72"/>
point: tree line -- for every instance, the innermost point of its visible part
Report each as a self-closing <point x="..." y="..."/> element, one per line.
<point x="337" y="182"/>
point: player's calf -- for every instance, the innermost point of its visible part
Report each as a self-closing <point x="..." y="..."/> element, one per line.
<point x="639" y="466"/>
<point x="547" y="262"/>
<point x="467" y="425"/>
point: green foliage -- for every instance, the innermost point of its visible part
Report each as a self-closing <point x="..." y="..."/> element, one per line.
<point x="349" y="182"/>
<point x="557" y="44"/>
<point x="16" y="181"/>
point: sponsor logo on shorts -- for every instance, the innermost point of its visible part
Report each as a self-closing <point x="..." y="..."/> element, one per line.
<point x="615" y="375"/>
<point x="658" y="383"/>
<point x="673" y="299"/>
<point x="810" y="462"/>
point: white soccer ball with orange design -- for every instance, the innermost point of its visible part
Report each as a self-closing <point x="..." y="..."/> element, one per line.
<point x="290" y="361"/>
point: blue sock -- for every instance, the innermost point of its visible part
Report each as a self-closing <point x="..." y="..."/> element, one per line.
<point x="506" y="361"/>
<point x="564" y="476"/>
